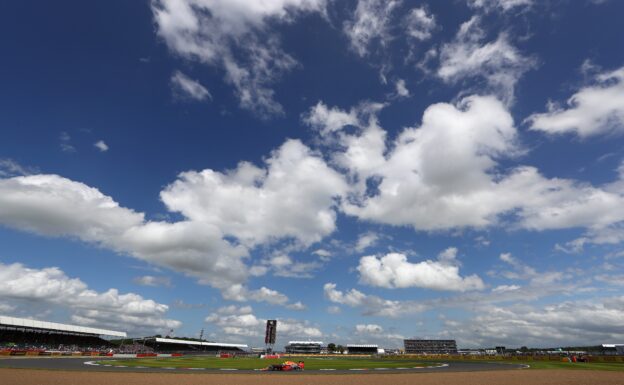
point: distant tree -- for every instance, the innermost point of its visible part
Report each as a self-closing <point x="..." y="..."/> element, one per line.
<point x="331" y="347"/>
<point x="524" y="349"/>
<point x="340" y="348"/>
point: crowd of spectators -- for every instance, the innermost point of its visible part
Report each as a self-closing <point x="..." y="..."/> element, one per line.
<point x="32" y="340"/>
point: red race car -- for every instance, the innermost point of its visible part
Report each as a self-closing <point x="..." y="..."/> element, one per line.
<point x="286" y="366"/>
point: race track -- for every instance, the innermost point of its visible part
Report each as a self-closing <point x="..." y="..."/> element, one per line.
<point x="101" y="364"/>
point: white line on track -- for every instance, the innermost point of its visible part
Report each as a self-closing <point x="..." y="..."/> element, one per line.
<point x="167" y="368"/>
<point x="327" y="369"/>
<point x="357" y="369"/>
<point x="227" y="369"/>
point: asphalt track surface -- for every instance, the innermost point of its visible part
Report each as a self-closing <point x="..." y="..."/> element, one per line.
<point x="88" y="364"/>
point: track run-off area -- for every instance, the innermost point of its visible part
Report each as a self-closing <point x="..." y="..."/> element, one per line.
<point x="80" y="371"/>
<point x="240" y="366"/>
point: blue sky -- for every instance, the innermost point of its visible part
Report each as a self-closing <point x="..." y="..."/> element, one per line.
<point x="363" y="171"/>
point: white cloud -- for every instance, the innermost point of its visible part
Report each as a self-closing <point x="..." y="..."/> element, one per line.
<point x="284" y="266"/>
<point x="235" y="36"/>
<point x="101" y="145"/>
<point x="498" y="63"/>
<point x="327" y="120"/>
<point x="368" y="329"/>
<point x="504" y="288"/>
<point x="150" y="280"/>
<point x="241" y="321"/>
<point x="251" y="204"/>
<point x="10" y="167"/>
<point x="65" y="142"/>
<point x="298" y="306"/>
<point x="435" y="176"/>
<point x="572" y="323"/>
<point x="238" y="292"/>
<point x="401" y="90"/>
<point x="107" y="309"/>
<point x="393" y="270"/>
<point x="54" y="206"/>
<point x="370" y="304"/>
<point x="334" y="309"/>
<point x="499" y="5"/>
<point x="365" y="241"/>
<point x="420" y="24"/>
<point x="324" y="255"/>
<point x="592" y="110"/>
<point x="258" y="205"/>
<point x="187" y="88"/>
<point x="445" y="174"/>
<point x="371" y="22"/>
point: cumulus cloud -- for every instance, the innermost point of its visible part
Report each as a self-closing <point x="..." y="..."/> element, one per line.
<point x="234" y="36"/>
<point x="52" y="205"/>
<point x="242" y="322"/>
<point x="592" y="110"/>
<point x="401" y="89"/>
<point x="370" y="304"/>
<point x="327" y="120"/>
<point x="419" y="24"/>
<point x="101" y="145"/>
<point x="51" y="286"/>
<point x="446" y="174"/>
<point x="225" y="214"/>
<point x="368" y="329"/>
<point x="371" y="22"/>
<point x="570" y="323"/>
<point x="499" y="5"/>
<point x="55" y="206"/>
<point x="283" y="265"/>
<point x="365" y="241"/>
<point x="186" y="88"/>
<point x="258" y="205"/>
<point x="498" y="63"/>
<point x="393" y="270"/>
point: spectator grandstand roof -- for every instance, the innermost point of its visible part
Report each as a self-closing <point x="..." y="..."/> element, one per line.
<point x="53" y="326"/>
<point x="201" y="343"/>
<point x="305" y="342"/>
<point x="362" y="346"/>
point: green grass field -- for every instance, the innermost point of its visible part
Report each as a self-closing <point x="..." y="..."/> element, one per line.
<point x="311" y="363"/>
<point x="610" y="366"/>
<point x="316" y="363"/>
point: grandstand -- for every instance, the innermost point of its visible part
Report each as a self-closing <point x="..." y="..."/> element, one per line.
<point x="362" y="349"/>
<point x="173" y="345"/>
<point x="304" y="347"/>
<point x="23" y="335"/>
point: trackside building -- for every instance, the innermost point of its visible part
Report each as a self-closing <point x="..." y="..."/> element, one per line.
<point x="417" y="346"/>
<point x="304" y="347"/>
<point x="362" y="349"/>
<point x="188" y="346"/>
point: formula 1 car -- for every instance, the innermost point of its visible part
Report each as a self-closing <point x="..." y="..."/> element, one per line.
<point x="287" y="366"/>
